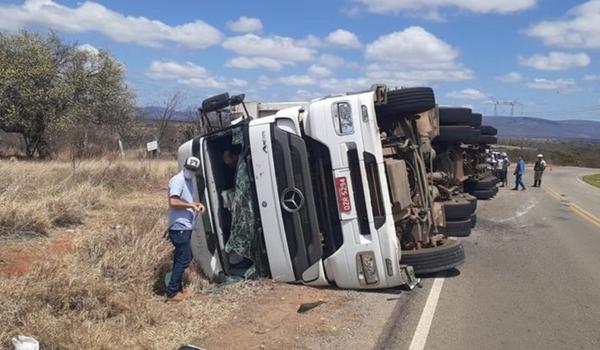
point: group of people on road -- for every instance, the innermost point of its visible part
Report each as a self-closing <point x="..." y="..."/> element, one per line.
<point x="538" y="172"/>
<point x="500" y="164"/>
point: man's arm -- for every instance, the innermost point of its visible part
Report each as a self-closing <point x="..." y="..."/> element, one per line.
<point x="178" y="203"/>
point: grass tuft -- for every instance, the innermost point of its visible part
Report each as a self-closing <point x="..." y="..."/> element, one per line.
<point x="593" y="180"/>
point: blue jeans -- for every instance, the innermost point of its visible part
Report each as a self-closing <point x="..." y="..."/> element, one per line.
<point x="519" y="181"/>
<point x="181" y="259"/>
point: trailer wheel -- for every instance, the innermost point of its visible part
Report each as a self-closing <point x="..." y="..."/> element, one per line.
<point x="459" y="209"/>
<point x="458" y="133"/>
<point x="455" y="116"/>
<point x="485" y="194"/>
<point x="476" y="119"/>
<point x="488" y="130"/>
<point x="459" y="228"/>
<point x="441" y="258"/>
<point x="406" y="102"/>
<point x="483" y="184"/>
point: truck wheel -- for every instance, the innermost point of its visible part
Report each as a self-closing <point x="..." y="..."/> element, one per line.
<point x="459" y="209"/>
<point x="458" y="133"/>
<point x="483" y="184"/>
<point x="476" y="119"/>
<point x="429" y="260"/>
<point x="459" y="228"/>
<point x="485" y="194"/>
<point x="488" y="130"/>
<point x="406" y="102"/>
<point x="455" y="116"/>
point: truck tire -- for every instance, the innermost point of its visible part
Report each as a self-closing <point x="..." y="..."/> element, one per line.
<point x="488" y="130"/>
<point x="483" y="184"/>
<point x="458" y="133"/>
<point x="455" y="116"/>
<point x="485" y="194"/>
<point x="406" y="102"/>
<point x="473" y="220"/>
<point x="487" y="140"/>
<point x="459" y="209"/>
<point x="476" y="119"/>
<point x="459" y="228"/>
<point x="430" y="260"/>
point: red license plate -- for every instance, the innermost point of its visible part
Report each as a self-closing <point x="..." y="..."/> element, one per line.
<point x="341" y="184"/>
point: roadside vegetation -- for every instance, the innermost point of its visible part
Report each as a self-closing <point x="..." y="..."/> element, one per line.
<point x="556" y="152"/>
<point x="593" y="180"/>
<point x="82" y="263"/>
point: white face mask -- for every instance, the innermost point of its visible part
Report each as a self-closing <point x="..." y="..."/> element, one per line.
<point x="188" y="174"/>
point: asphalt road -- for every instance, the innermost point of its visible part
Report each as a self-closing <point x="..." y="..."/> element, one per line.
<point x="531" y="280"/>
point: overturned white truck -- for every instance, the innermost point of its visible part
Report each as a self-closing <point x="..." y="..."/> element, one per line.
<point x="331" y="192"/>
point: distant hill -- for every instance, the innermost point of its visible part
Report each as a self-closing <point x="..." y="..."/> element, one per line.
<point x="155" y="113"/>
<point x="544" y="128"/>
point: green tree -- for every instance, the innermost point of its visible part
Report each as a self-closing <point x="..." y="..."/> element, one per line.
<point x="53" y="91"/>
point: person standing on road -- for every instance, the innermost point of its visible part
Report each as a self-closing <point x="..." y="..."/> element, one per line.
<point x="504" y="165"/>
<point x="182" y="211"/>
<point x="538" y="168"/>
<point x="519" y="172"/>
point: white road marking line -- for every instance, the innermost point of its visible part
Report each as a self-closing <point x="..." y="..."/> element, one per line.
<point x="422" y="331"/>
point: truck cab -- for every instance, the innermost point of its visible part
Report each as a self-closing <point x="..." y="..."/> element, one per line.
<point x="261" y="215"/>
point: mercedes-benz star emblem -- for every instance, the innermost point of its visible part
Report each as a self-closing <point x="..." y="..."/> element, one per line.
<point x="292" y="200"/>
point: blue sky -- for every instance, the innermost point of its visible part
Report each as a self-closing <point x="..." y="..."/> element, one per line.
<point x="541" y="56"/>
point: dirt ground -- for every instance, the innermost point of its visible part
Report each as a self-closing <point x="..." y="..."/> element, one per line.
<point x="265" y="315"/>
<point x="92" y="284"/>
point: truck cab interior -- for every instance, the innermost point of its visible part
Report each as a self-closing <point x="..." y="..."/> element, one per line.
<point x="233" y="203"/>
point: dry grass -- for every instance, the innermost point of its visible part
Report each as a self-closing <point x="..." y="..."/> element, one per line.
<point x="102" y="290"/>
<point x="96" y="286"/>
<point x="34" y="197"/>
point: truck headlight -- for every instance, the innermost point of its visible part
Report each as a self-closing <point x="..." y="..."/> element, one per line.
<point x="367" y="267"/>
<point x="342" y="118"/>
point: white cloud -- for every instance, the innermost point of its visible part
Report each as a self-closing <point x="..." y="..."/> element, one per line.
<point x="318" y="71"/>
<point x="310" y="41"/>
<point x="190" y="74"/>
<point x="166" y="70"/>
<point x="432" y="7"/>
<point x="413" y="46"/>
<point x="304" y="95"/>
<point x="413" y="57"/>
<point x="343" y="38"/>
<point x="546" y="84"/>
<point x="579" y="28"/>
<point x="512" y="77"/>
<point x="333" y="61"/>
<point x="244" y="62"/>
<point x="94" y="17"/>
<point x="275" y="47"/>
<point x="556" y="61"/>
<point x="297" y="80"/>
<point x="591" y="77"/>
<point x="345" y="85"/>
<point x="468" y="94"/>
<point x="245" y="25"/>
